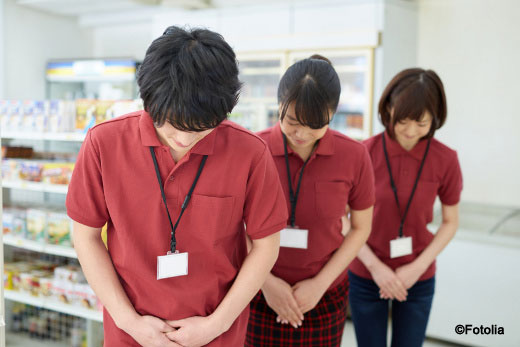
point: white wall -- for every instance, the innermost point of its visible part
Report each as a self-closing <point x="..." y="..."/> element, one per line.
<point x="30" y="39"/>
<point x="2" y="50"/>
<point x="474" y="45"/>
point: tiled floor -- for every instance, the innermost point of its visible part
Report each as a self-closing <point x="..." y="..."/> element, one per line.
<point x="349" y="338"/>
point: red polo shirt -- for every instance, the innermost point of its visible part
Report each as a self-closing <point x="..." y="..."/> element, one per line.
<point x="441" y="176"/>
<point x="339" y="172"/>
<point x="114" y="181"/>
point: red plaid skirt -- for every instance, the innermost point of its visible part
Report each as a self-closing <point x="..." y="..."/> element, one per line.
<point x="322" y="326"/>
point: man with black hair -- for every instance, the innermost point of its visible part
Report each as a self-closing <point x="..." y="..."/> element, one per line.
<point x="176" y="184"/>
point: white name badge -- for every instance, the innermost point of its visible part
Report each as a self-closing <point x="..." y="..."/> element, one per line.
<point x="172" y="265"/>
<point x="400" y="246"/>
<point x="294" y="238"/>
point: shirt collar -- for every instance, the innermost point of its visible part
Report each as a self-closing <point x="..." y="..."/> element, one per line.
<point x="325" y="145"/>
<point x="149" y="136"/>
<point x="394" y="148"/>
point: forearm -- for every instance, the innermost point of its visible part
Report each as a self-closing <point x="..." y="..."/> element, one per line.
<point x="368" y="257"/>
<point x="252" y="275"/>
<point x="351" y="245"/>
<point x="101" y="275"/>
<point x="441" y="239"/>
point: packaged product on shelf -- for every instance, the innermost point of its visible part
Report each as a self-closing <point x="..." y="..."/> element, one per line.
<point x="60" y="116"/>
<point x="31" y="170"/>
<point x="16" y="152"/>
<point x="102" y="110"/>
<point x="28" y="124"/>
<point x="36" y="222"/>
<point x="69" y="273"/>
<point x="13" y="221"/>
<point x="85" y="114"/>
<point x="57" y="173"/>
<point x="84" y="296"/>
<point x="12" y="271"/>
<point x="59" y="229"/>
<point x="3" y="114"/>
<point x="11" y="170"/>
<point x="14" y="116"/>
<point x="122" y="107"/>
<point x="31" y="281"/>
<point x="40" y="118"/>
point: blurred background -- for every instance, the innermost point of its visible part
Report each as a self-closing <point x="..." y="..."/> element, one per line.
<point x="66" y="65"/>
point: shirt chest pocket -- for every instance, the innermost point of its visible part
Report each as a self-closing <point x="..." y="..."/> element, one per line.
<point x="210" y="217"/>
<point x="331" y="199"/>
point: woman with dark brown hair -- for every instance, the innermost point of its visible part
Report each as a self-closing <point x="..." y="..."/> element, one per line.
<point x="304" y="300"/>
<point x="411" y="169"/>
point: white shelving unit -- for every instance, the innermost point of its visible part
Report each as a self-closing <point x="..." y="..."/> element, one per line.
<point x="36" y="246"/>
<point x="76" y="137"/>
<point x="36" y="186"/>
<point x="92" y="317"/>
<point x="53" y="305"/>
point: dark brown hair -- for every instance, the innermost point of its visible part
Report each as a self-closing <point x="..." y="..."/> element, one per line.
<point x="314" y="87"/>
<point x="409" y="94"/>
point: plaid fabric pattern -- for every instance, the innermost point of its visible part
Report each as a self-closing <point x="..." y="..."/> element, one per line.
<point x="322" y="326"/>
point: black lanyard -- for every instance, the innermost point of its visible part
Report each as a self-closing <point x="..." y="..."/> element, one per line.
<point x="394" y="188"/>
<point x="293" y="197"/>
<point x="173" y="241"/>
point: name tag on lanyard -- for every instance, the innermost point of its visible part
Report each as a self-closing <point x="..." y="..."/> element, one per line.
<point x="401" y="246"/>
<point x="294" y="238"/>
<point x="172" y="265"/>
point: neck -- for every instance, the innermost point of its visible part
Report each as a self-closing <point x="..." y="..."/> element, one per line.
<point x="177" y="154"/>
<point x="408" y="146"/>
<point x="304" y="152"/>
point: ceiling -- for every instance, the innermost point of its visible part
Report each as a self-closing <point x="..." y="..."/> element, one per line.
<point x="89" y="7"/>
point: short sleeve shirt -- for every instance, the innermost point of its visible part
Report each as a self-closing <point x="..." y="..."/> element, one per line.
<point x="114" y="182"/>
<point x="441" y="176"/>
<point x="339" y="172"/>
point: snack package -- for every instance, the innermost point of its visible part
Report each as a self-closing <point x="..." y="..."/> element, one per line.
<point x="84" y="296"/>
<point x="59" y="229"/>
<point x="28" y="124"/>
<point x="11" y="170"/>
<point x="36" y="222"/>
<point x="4" y="115"/>
<point x="14" y="116"/>
<point x="102" y="110"/>
<point x="69" y="273"/>
<point x="31" y="170"/>
<point x="57" y="173"/>
<point x="13" y="221"/>
<point x="85" y="114"/>
<point x="63" y="290"/>
<point x="40" y="117"/>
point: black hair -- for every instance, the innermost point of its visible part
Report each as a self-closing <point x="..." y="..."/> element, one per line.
<point x="189" y="78"/>
<point x="409" y="94"/>
<point x="313" y="85"/>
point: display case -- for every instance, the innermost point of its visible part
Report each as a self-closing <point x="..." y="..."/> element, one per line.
<point x="354" y="68"/>
<point x="261" y="73"/>
<point x="105" y="79"/>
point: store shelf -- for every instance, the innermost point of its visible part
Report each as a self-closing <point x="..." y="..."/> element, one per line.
<point x="73" y="137"/>
<point x="22" y="340"/>
<point x="36" y="186"/>
<point x="62" y="251"/>
<point x="53" y="305"/>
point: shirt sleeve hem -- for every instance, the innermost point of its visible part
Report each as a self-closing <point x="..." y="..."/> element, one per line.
<point x="450" y="202"/>
<point x="268" y="231"/>
<point x="85" y="221"/>
<point x="362" y="206"/>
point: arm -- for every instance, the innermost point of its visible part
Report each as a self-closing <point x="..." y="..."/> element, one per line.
<point x="309" y="292"/>
<point x="410" y="273"/>
<point x="101" y="275"/>
<point x="198" y="331"/>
